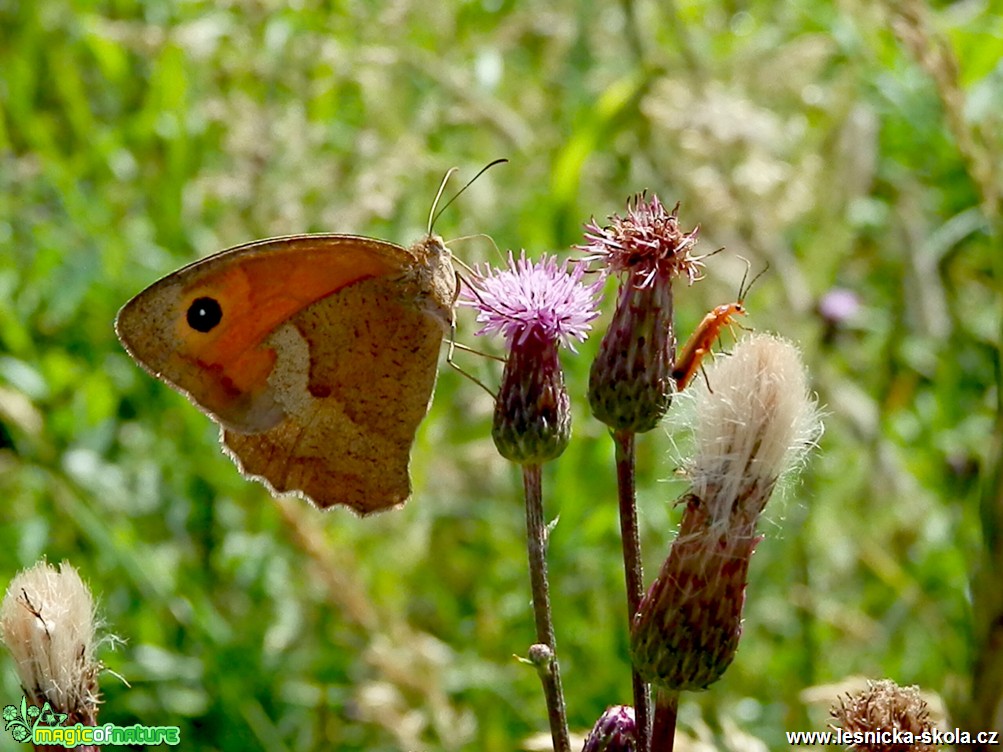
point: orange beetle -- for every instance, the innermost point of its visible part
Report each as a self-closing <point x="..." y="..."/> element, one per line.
<point x="700" y="342"/>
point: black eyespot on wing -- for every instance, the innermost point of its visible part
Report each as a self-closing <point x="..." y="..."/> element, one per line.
<point x="204" y="314"/>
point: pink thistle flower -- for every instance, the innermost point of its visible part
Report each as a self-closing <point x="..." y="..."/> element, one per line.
<point x="536" y="307"/>
<point x="839" y="305"/>
<point x="541" y="300"/>
<point x="648" y="243"/>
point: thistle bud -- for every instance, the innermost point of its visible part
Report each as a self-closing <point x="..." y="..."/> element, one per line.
<point x="630" y="385"/>
<point x="615" y="731"/>
<point x="532" y="421"/>
<point x="686" y="630"/>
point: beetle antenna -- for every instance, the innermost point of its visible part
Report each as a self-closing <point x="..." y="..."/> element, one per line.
<point x="743" y="289"/>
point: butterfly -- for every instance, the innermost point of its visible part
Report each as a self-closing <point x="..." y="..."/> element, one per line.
<point x="316" y="354"/>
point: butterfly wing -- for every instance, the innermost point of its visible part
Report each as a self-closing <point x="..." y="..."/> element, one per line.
<point x="357" y="375"/>
<point x="291" y="344"/>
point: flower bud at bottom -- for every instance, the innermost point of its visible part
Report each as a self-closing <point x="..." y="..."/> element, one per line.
<point x="615" y="731"/>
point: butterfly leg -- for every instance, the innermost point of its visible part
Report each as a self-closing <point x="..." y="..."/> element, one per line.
<point x="453" y="347"/>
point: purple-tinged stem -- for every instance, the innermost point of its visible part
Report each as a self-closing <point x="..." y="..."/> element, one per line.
<point x="633" y="571"/>
<point x="536" y="543"/>
<point x="666" y="709"/>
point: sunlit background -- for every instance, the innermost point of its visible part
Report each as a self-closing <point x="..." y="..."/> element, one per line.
<point x="854" y="146"/>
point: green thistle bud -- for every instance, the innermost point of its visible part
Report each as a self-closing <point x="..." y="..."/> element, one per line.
<point x="630" y="384"/>
<point x="687" y="628"/>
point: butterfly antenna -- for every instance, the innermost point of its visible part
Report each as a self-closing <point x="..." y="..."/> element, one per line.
<point x="434" y="215"/>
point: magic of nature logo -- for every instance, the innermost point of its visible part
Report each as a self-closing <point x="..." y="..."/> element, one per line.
<point x="42" y="725"/>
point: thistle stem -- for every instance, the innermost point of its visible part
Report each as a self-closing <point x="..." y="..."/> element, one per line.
<point x="633" y="571"/>
<point x="666" y="710"/>
<point x="536" y="543"/>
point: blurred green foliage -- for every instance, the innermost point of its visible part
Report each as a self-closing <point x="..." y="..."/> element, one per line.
<point x="137" y="136"/>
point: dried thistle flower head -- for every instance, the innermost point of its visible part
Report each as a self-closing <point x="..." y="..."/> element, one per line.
<point x="47" y="622"/>
<point x="884" y="707"/>
<point x="751" y="429"/>
<point x="630" y="384"/>
<point x="536" y="306"/>
<point x="648" y="242"/>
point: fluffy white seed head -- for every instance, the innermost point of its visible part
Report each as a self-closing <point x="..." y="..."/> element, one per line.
<point x="752" y="426"/>
<point x="47" y="622"/>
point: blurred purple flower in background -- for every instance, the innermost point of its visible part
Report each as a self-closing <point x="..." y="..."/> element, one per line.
<point x="838" y="305"/>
